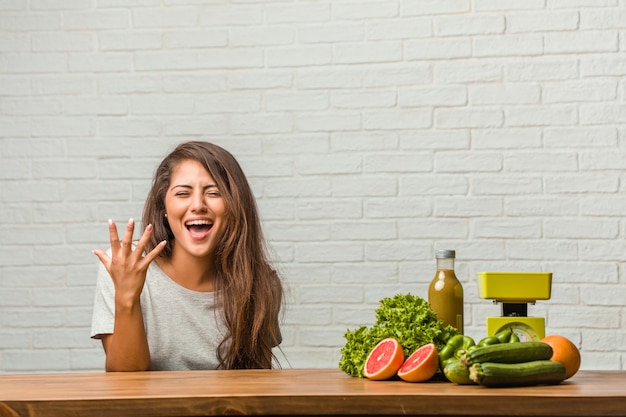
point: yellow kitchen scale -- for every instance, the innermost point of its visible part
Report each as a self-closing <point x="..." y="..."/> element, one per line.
<point x="515" y="290"/>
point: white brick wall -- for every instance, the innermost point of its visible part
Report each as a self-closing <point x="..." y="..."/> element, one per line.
<point x="373" y="132"/>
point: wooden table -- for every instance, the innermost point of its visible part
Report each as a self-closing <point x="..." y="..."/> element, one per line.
<point x="297" y="392"/>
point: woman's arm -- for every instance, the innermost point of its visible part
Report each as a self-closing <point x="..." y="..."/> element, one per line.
<point x="127" y="347"/>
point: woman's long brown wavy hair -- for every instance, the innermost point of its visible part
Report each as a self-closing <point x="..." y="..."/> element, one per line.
<point x="250" y="290"/>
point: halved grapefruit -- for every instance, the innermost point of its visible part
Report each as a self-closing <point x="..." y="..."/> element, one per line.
<point x="384" y="360"/>
<point x="421" y="365"/>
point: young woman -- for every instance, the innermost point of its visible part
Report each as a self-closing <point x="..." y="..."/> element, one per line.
<point x="197" y="290"/>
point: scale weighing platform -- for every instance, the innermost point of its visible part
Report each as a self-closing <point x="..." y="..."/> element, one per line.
<point x="515" y="290"/>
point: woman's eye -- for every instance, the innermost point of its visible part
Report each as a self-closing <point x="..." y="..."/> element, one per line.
<point x="182" y="194"/>
<point x="213" y="193"/>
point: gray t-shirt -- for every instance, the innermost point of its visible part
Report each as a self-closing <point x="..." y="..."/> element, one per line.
<point x="183" y="326"/>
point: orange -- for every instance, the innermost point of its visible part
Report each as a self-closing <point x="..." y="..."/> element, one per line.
<point x="565" y="352"/>
<point x="421" y="365"/>
<point x="384" y="360"/>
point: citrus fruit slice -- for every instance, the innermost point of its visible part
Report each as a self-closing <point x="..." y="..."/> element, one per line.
<point x="384" y="360"/>
<point x="421" y="365"/>
<point x="565" y="352"/>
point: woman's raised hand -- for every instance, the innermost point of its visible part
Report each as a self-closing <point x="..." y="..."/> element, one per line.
<point x="128" y="266"/>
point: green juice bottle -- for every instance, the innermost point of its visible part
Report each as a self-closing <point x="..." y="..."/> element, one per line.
<point x="445" y="293"/>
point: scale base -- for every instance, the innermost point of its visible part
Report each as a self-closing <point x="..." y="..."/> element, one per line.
<point x="526" y="328"/>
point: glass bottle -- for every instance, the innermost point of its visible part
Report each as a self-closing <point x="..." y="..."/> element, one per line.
<point x="445" y="293"/>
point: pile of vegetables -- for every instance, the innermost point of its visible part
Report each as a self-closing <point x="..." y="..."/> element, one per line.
<point x="512" y="364"/>
<point x="459" y="345"/>
<point x="407" y="318"/>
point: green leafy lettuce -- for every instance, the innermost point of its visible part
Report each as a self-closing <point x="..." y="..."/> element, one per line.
<point x="405" y="317"/>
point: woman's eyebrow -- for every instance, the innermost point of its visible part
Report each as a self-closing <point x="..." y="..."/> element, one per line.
<point x="180" y="186"/>
<point x="186" y="186"/>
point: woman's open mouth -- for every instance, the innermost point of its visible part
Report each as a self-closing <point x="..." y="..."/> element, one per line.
<point x="199" y="229"/>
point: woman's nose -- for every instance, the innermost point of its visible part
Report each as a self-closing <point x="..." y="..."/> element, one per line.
<point x="198" y="203"/>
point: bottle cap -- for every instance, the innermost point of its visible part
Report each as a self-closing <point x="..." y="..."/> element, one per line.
<point x="445" y="253"/>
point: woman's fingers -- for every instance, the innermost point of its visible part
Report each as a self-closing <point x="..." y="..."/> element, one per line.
<point x="104" y="258"/>
<point x="143" y="243"/>
<point x="152" y="255"/>
<point x="113" y="236"/>
<point x="126" y="265"/>
<point x="126" y="244"/>
<point x="123" y="252"/>
<point x="123" y="249"/>
<point x="127" y="240"/>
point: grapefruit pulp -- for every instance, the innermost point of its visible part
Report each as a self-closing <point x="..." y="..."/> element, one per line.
<point x="565" y="352"/>
<point x="421" y="365"/>
<point x="384" y="360"/>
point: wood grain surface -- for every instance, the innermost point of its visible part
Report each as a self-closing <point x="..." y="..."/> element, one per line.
<point x="297" y="392"/>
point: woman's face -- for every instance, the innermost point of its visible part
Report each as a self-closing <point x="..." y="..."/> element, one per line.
<point x="195" y="210"/>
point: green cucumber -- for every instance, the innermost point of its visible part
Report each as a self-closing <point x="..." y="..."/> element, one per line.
<point x="541" y="372"/>
<point x="509" y="353"/>
<point x="457" y="373"/>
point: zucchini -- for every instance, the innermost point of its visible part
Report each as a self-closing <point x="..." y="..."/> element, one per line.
<point x="508" y="353"/>
<point x="542" y="372"/>
<point x="457" y="373"/>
